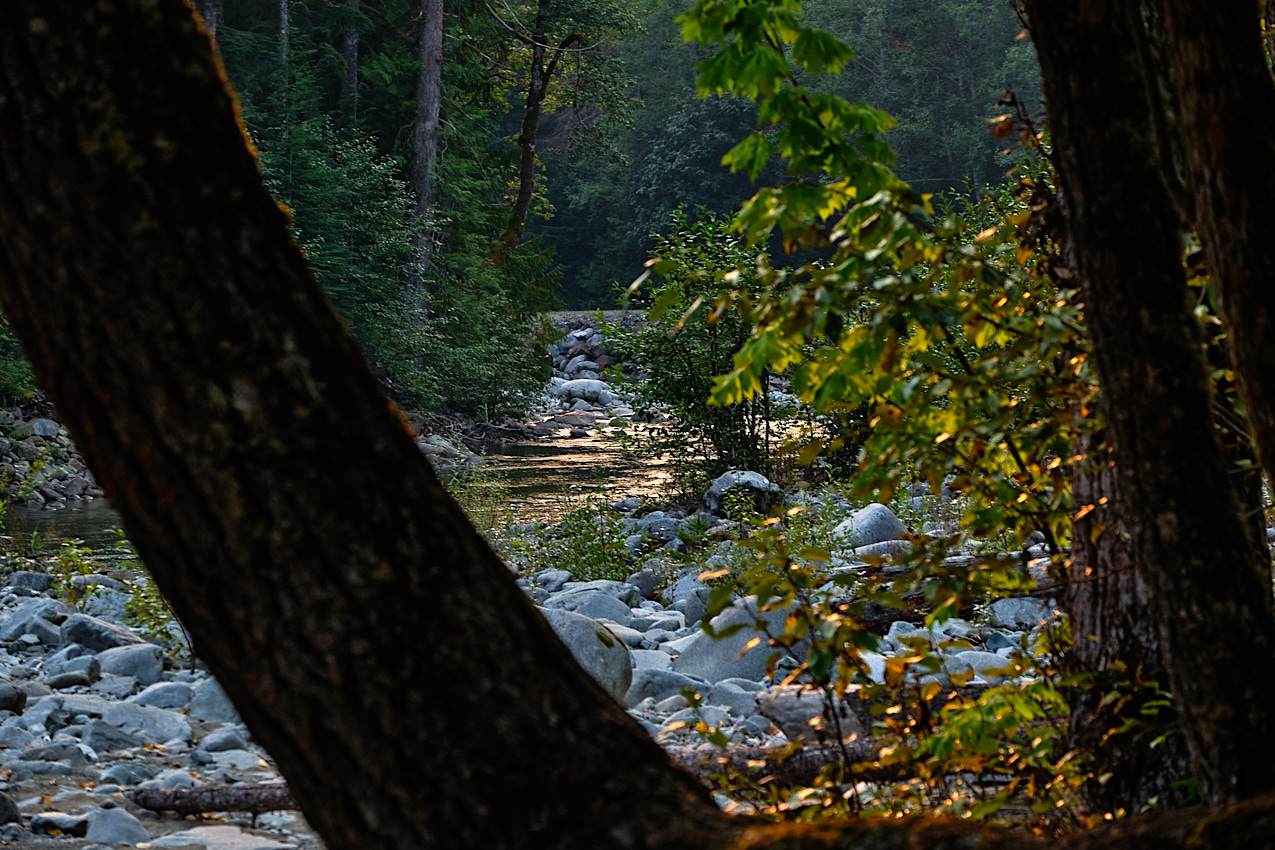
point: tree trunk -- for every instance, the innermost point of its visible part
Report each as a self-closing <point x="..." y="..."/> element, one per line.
<point x="537" y="87"/>
<point x="251" y="453"/>
<point x="283" y="36"/>
<point x="347" y="104"/>
<point x="1227" y="103"/>
<point x="1107" y="600"/>
<point x="429" y="100"/>
<point x="213" y="14"/>
<point x="1211" y="602"/>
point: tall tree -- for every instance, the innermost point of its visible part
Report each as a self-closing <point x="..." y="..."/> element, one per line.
<point x="562" y="34"/>
<point x="348" y="98"/>
<point x="213" y="13"/>
<point x="1212" y="599"/>
<point x="1228" y="133"/>
<point x="429" y="100"/>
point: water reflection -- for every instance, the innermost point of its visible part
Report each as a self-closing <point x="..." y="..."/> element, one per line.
<point x="93" y="522"/>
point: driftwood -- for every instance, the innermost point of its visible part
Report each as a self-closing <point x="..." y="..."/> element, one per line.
<point x="254" y="797"/>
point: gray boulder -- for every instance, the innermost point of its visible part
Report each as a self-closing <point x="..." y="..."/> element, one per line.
<point x="792" y="708"/>
<point x="12" y="697"/>
<point x="9" y="812"/>
<point x="757" y="486"/>
<point x="46" y="428"/>
<point x="143" y="661"/>
<point x="659" y="685"/>
<point x="595" y="648"/>
<point x="714" y="660"/>
<point x="55" y="823"/>
<point x="96" y="634"/>
<point x="621" y="590"/>
<point x="115" y="826"/>
<point x="165" y="695"/>
<point x="156" y="725"/>
<point x="592" y="603"/>
<point x="125" y="774"/>
<point x="973" y="661"/>
<point x="29" y="580"/>
<point x="1023" y="612"/>
<point x="220" y="740"/>
<point x="210" y="703"/>
<point x="872" y="524"/>
<point x="101" y="737"/>
<point x="35" y="616"/>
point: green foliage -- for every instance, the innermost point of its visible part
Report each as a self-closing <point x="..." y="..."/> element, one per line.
<point x="684" y="344"/>
<point x="939" y="743"/>
<point x="16" y="381"/>
<point x="588" y="541"/>
<point x="936" y="68"/>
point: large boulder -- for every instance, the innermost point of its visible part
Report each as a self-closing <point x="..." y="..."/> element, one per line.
<point x="793" y="709"/>
<point x="592" y="603"/>
<point x="595" y="648"/>
<point x="715" y="659"/>
<point x="37" y="617"/>
<point x="591" y="390"/>
<point x="873" y="524"/>
<point x="96" y="634"/>
<point x="755" y="485"/>
<point x="143" y="661"/>
<point x="659" y="685"/>
<point x="1022" y="612"/>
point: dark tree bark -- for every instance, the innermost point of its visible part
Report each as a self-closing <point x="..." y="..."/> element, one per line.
<point x="1107" y="600"/>
<point x="544" y="64"/>
<point x="1227" y="105"/>
<point x="429" y="100"/>
<point x="229" y="417"/>
<point x="347" y="104"/>
<point x="1211" y="603"/>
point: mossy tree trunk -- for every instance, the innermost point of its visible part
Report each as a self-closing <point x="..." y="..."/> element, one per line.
<point x="1211" y="601"/>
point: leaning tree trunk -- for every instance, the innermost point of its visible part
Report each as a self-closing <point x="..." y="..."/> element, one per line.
<point x="370" y="639"/>
<point x="1211" y="602"/>
<point x="1227" y="104"/>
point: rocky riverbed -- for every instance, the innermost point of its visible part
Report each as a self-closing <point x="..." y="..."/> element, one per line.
<point x="91" y="711"/>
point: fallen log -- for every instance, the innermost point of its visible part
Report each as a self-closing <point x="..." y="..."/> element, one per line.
<point x="253" y="797"/>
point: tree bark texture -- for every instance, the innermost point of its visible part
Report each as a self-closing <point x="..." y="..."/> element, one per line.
<point x="251" y="453"/>
<point x="429" y="100"/>
<point x="1211" y="600"/>
<point x="347" y="103"/>
<point x="1107" y="600"/>
<point x="1227" y="105"/>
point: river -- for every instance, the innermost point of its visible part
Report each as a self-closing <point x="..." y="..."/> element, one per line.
<point x="530" y="481"/>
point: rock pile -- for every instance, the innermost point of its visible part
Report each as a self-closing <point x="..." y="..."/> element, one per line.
<point x="90" y="710"/>
<point x="663" y="640"/>
<point x="38" y="462"/>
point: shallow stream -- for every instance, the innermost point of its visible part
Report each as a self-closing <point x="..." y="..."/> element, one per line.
<point x="532" y="481"/>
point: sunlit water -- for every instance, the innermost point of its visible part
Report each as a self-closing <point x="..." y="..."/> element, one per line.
<point x="533" y="481"/>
